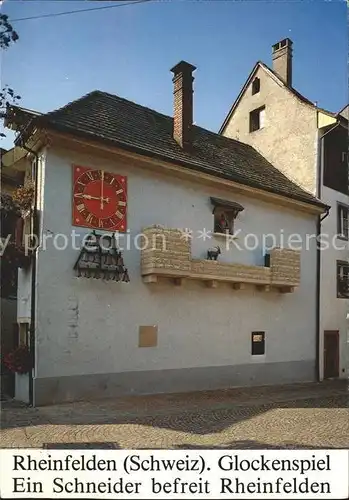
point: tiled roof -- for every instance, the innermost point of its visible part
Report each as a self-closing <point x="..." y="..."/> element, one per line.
<point x="105" y="117"/>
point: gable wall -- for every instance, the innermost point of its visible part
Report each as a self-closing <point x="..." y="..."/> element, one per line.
<point x="288" y="139"/>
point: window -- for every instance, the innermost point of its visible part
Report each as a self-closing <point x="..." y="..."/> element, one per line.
<point x="23" y="334"/>
<point x="342" y="221"/>
<point x="258" y="343"/>
<point x="256" y="86"/>
<point x="342" y="279"/>
<point x="225" y="213"/>
<point x="335" y="160"/>
<point x="223" y="222"/>
<point x="257" y="119"/>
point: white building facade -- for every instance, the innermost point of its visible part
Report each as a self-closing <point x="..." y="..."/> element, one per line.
<point x="182" y="322"/>
<point x="87" y="330"/>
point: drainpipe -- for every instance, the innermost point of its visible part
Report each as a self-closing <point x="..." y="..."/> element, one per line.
<point x="320" y="159"/>
<point x="33" y="276"/>
<point x="318" y="292"/>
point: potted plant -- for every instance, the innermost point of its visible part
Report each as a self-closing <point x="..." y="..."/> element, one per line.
<point x="8" y="206"/>
<point x="15" y="257"/>
<point x="19" y="361"/>
<point x="13" y="209"/>
<point x="23" y="197"/>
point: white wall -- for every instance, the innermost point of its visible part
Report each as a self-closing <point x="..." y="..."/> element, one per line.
<point x="24" y="296"/>
<point x="88" y="326"/>
<point x="333" y="310"/>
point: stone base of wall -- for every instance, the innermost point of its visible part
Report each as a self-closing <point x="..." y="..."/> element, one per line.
<point x="109" y="385"/>
<point x="22" y="387"/>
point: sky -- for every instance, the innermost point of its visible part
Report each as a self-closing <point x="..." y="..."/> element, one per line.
<point x="129" y="50"/>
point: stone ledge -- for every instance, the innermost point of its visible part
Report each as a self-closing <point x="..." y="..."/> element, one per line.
<point x="175" y="262"/>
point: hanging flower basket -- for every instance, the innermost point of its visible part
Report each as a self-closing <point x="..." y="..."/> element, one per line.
<point x="23" y="197"/>
<point x="8" y="206"/>
<point x="18" y="360"/>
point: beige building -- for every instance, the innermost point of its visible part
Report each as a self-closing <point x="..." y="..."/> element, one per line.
<point x="310" y="146"/>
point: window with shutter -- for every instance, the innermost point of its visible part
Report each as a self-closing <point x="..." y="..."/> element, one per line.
<point x="342" y="221"/>
<point x="256" y="86"/>
<point x="342" y="279"/>
<point x="257" y="119"/>
<point x="225" y="213"/>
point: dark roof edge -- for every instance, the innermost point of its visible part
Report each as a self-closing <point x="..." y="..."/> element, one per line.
<point x="344" y="107"/>
<point x="230" y="112"/>
<point x="191" y="166"/>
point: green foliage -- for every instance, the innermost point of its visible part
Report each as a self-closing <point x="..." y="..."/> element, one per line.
<point x="7" y="34"/>
<point x="8" y="206"/>
<point x="23" y="196"/>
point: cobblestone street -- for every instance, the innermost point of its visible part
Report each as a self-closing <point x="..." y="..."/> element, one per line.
<point x="298" y="416"/>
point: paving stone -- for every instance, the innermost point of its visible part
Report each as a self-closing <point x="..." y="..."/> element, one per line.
<point x="297" y="416"/>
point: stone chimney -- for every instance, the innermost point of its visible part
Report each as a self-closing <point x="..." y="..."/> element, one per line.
<point x="282" y="60"/>
<point x="183" y="103"/>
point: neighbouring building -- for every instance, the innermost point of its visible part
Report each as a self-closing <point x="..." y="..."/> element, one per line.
<point x="11" y="179"/>
<point x="310" y="146"/>
<point x="188" y="298"/>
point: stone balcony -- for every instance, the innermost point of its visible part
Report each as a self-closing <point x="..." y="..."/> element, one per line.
<point x="168" y="255"/>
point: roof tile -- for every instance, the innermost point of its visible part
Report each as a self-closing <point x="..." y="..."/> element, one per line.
<point x="106" y="117"/>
